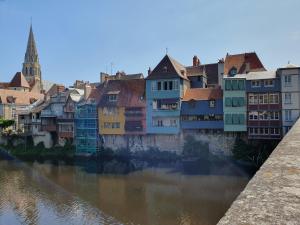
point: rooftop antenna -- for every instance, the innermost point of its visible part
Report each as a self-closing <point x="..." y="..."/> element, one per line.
<point x="111" y="68"/>
<point x="31" y="21"/>
<point x="289" y="62"/>
<point x="167" y="50"/>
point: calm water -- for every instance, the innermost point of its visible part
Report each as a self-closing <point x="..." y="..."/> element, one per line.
<point x="58" y="194"/>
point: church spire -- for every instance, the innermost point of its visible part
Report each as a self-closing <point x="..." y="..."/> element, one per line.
<point x="31" y="66"/>
<point x="31" y="54"/>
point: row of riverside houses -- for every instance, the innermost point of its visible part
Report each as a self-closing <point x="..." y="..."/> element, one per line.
<point x="233" y="97"/>
<point x="213" y="102"/>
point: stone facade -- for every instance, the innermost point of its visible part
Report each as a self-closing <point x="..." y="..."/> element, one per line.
<point x="219" y="143"/>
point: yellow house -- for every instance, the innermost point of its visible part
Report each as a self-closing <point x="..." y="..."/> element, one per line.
<point x="111" y="120"/>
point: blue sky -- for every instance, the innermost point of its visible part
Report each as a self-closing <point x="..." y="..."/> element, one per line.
<point x="78" y="39"/>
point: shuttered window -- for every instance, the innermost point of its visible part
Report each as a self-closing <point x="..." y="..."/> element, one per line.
<point x="228" y="102"/>
<point x="241" y="85"/>
<point x="228" y="119"/>
<point x="227" y="84"/>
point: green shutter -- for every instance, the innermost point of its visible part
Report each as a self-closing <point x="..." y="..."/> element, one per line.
<point x="228" y="102"/>
<point x="228" y="119"/>
<point x="241" y="101"/>
<point x="241" y="85"/>
<point x="227" y="84"/>
<point x="235" y="101"/>
<point x="235" y="85"/>
<point x="235" y="118"/>
<point x="241" y="118"/>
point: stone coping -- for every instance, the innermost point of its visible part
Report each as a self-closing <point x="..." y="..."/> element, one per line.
<point x="272" y="196"/>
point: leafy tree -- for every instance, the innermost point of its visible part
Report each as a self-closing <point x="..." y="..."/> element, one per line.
<point x="6" y="123"/>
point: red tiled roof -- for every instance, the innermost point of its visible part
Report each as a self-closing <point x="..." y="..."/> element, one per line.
<point x="18" y="97"/>
<point x="202" y="94"/>
<point x="19" y="81"/>
<point x="131" y="93"/>
<point x="244" y="63"/>
<point x="168" y="68"/>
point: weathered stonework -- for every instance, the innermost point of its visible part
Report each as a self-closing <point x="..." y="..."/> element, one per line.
<point x="272" y="197"/>
<point x="219" y="144"/>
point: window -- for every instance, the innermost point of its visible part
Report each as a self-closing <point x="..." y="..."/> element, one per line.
<point x="173" y="123"/>
<point x="263" y="115"/>
<point x="288" y="98"/>
<point x="241" y="85"/>
<point x="165" y="85"/>
<point x="253" y="99"/>
<point x="274" y="131"/>
<point x="159" y="85"/>
<point x="112" y="98"/>
<point x="269" y="83"/>
<point x="165" y="104"/>
<point x="274" y="98"/>
<point x="227" y="84"/>
<point x="253" y="115"/>
<point x="288" y="115"/>
<point x="228" y="119"/>
<point x="228" y="102"/>
<point x="255" y="83"/>
<point x="263" y="99"/>
<point x="212" y="103"/>
<point x="170" y="85"/>
<point x="235" y="85"/>
<point x="233" y="71"/>
<point x="274" y="115"/>
<point x="288" y="80"/>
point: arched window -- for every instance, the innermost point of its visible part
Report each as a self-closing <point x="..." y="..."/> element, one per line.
<point x="232" y="71"/>
<point x="26" y="71"/>
<point x="30" y="70"/>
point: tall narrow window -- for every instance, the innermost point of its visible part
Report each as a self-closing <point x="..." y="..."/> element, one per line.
<point x="288" y="98"/>
<point x="288" y="80"/>
<point x="159" y="85"/>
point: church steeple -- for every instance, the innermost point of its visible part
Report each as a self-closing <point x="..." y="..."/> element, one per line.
<point x="31" y="66"/>
<point x="31" y="54"/>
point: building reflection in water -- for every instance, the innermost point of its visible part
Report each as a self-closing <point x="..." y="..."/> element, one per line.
<point x="69" y="195"/>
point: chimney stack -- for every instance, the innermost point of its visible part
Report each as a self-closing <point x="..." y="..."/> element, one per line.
<point x="87" y="91"/>
<point x="149" y="71"/>
<point x="196" y="61"/>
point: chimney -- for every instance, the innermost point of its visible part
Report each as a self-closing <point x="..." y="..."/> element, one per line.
<point x="196" y="61"/>
<point x="103" y="77"/>
<point x="149" y="71"/>
<point x="87" y="91"/>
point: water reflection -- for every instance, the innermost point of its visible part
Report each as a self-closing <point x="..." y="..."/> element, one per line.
<point x="61" y="194"/>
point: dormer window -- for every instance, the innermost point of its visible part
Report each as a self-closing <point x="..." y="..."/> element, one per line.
<point x="212" y="103"/>
<point x="112" y="98"/>
<point x="232" y="72"/>
<point x="165" y="69"/>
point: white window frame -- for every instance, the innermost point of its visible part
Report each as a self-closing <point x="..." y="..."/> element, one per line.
<point x="255" y="83"/>
<point x="289" y="99"/>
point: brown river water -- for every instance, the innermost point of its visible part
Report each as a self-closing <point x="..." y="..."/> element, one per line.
<point x="59" y="194"/>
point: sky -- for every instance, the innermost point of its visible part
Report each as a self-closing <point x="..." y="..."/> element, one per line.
<point x="78" y="39"/>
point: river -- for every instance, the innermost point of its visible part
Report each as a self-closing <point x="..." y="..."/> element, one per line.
<point x="35" y="193"/>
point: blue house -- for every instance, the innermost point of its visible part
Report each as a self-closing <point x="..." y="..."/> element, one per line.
<point x="165" y="87"/>
<point x="202" y="109"/>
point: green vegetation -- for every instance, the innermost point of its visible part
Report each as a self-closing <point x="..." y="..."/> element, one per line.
<point x="40" y="153"/>
<point x="255" y="153"/>
<point x="6" y="123"/>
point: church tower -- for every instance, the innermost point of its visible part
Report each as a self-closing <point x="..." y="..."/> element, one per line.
<point x="31" y="66"/>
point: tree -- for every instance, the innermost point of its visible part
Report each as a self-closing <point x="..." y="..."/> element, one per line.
<point x="6" y="123"/>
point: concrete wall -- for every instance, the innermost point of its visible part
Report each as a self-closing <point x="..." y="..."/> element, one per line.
<point x="219" y="143"/>
<point x="272" y="197"/>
